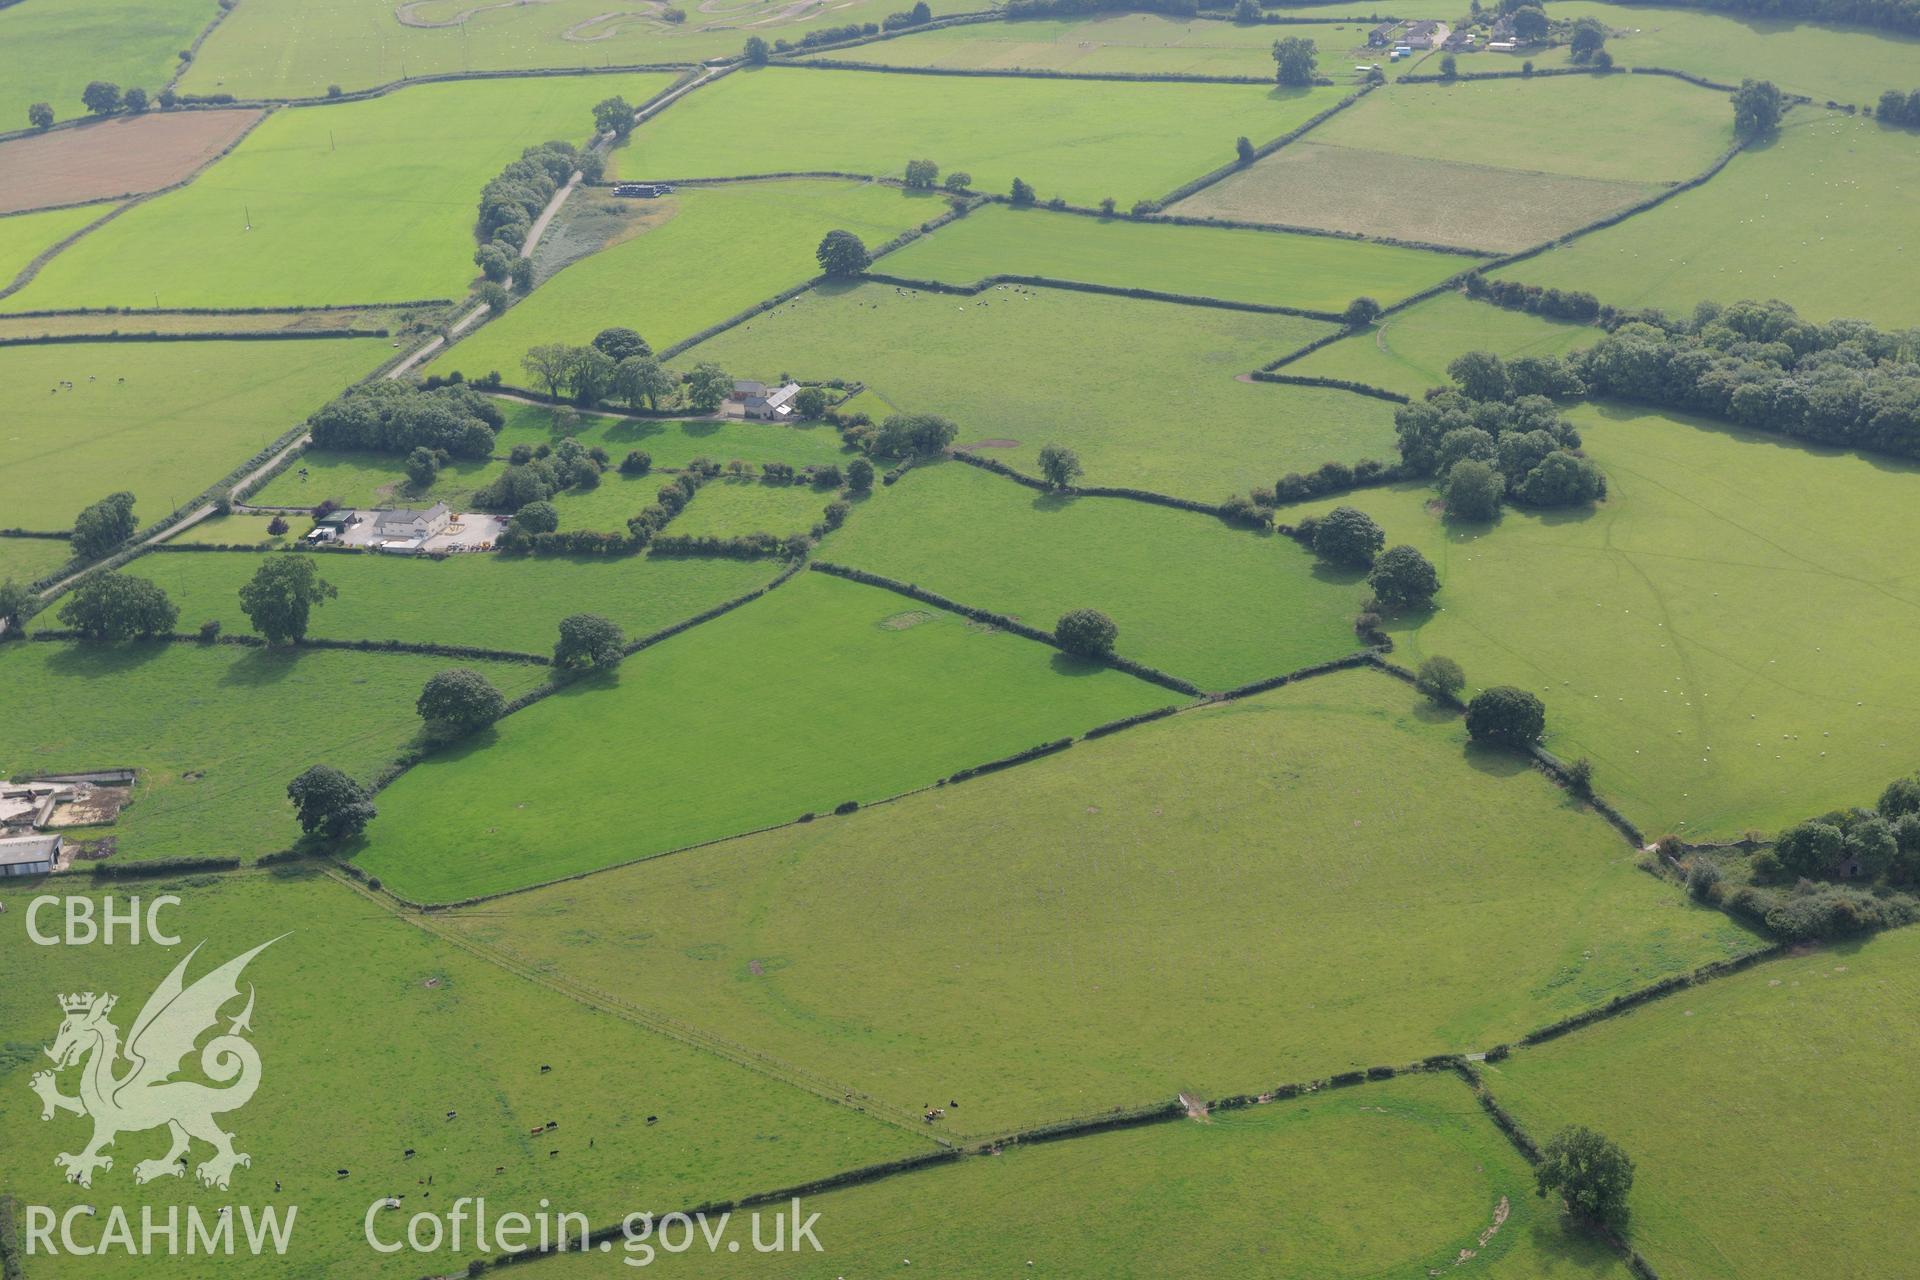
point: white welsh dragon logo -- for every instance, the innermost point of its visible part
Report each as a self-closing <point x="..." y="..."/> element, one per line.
<point x="145" y="1095"/>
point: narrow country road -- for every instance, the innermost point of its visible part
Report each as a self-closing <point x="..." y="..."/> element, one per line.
<point x="539" y="227"/>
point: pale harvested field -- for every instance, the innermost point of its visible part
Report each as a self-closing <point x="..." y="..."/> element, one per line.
<point x="121" y="157"/>
<point x="1411" y="198"/>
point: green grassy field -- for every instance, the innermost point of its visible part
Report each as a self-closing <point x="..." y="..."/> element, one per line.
<point x="1682" y="634"/>
<point x="365" y="202"/>
<point x="670" y="444"/>
<point x="487" y="601"/>
<point x="722" y="250"/>
<point x="242" y="722"/>
<point x="1750" y="1107"/>
<point x="1397" y="1179"/>
<point x="1816" y="217"/>
<point x="1127" y="42"/>
<point x="298" y="47"/>
<point x="1473" y="206"/>
<point x="370" y="1031"/>
<point x="239" y="530"/>
<point x="164" y="420"/>
<point x="1079" y="140"/>
<point x="797" y="702"/>
<point x="25" y="236"/>
<point x="1213" y="604"/>
<point x="1147" y="392"/>
<point x="353" y="478"/>
<point x="1275" y="889"/>
<point x="1315" y="273"/>
<point x="25" y="560"/>
<point x="1409" y="352"/>
<point x="49" y="53"/>
<point x="727" y="508"/>
<point x="1658" y="129"/>
<point x="1822" y="60"/>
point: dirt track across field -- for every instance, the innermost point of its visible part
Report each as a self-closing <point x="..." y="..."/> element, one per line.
<point x="123" y="157"/>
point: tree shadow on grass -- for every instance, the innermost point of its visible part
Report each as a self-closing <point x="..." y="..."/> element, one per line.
<point x="1573" y="1248"/>
<point x="1427" y="711"/>
<point x="1049" y="502"/>
<point x="93" y="659"/>
<point x="1072" y="664"/>
<point x="1497" y="762"/>
<point x="256" y="668"/>
<point x="1337" y="575"/>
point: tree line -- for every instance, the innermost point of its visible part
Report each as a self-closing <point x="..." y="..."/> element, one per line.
<point x="1760" y="365"/>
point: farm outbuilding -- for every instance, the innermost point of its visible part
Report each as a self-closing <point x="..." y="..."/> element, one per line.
<point x="29" y="855"/>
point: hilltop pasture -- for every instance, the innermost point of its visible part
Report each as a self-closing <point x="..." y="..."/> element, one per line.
<point x="820" y="692"/>
<point x="468" y="1061"/>
<point x="1193" y="596"/>
<point x="368" y="201"/>
<point x="1681" y="634"/>
<point x="165" y="420"/>
<point x="1078" y="140"/>
<point x="1273" y="860"/>
<point x="1816" y="216"/>
<point x="1314" y="273"/>
<point x="1147" y="392"/>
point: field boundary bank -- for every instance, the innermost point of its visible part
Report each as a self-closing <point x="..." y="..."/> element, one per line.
<point x="1387" y="475"/>
<point x="1161" y="218"/>
<point x="1261" y="152"/>
<point x="697" y="1038"/>
<point x="202" y="101"/>
<point x="212" y="335"/>
<point x="1027" y="73"/>
<point x="55" y="313"/>
<point x="411" y="756"/>
<point x="25" y="275"/>
<point x="1000" y="621"/>
<point x="1529" y="1150"/>
<point x="1485" y="266"/>
<point x="1347" y="662"/>
<point x="1549" y="764"/>
<point x="1331" y="384"/>
<point x="192" y="52"/>
<point x="472" y="653"/>
<point x="985" y="283"/>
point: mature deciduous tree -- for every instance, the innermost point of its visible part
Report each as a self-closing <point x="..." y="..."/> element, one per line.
<point x="1591" y="1174"/>
<point x="118" y="606"/>
<point x="1087" y="632"/>
<point x="330" y="803"/>
<point x="459" y="702"/>
<point x="841" y="254"/>
<point x="280" y="597"/>
<point x="1506" y="716"/>
<point x="103" y="527"/>
<point x="587" y="641"/>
